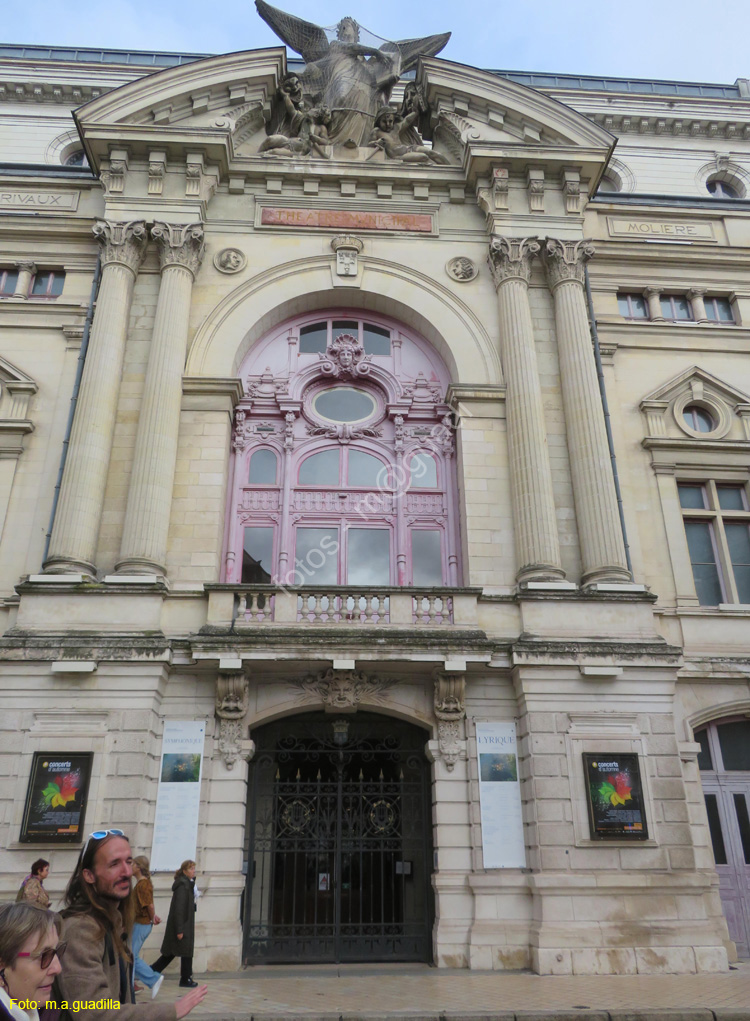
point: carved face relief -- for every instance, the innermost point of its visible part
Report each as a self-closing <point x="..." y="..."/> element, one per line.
<point x="293" y="88"/>
<point x="347" y="30"/>
<point x="461" y="269"/>
<point x="230" y="260"/>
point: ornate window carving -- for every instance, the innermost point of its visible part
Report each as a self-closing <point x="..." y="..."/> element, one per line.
<point x="343" y="450"/>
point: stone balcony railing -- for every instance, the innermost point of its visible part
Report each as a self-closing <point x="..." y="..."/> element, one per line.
<point x="341" y="605"/>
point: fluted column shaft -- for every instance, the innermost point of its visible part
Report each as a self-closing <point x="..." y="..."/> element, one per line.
<point x="144" y="539"/>
<point x="534" y="521"/>
<point x="599" y="530"/>
<point x="76" y="526"/>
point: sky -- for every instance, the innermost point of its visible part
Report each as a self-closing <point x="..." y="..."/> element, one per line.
<point x="686" y="40"/>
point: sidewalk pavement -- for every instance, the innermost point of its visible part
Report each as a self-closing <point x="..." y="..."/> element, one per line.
<point x="420" y="993"/>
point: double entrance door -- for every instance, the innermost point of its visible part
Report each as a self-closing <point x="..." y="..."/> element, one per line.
<point x="339" y="849"/>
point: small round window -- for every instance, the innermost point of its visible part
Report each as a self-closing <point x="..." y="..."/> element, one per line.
<point x="698" y="419"/>
<point x="344" y="404"/>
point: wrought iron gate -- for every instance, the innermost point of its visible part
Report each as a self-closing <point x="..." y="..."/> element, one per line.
<point x="339" y="848"/>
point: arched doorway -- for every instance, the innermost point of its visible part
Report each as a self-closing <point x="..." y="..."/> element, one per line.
<point x="339" y="841"/>
<point x="724" y="762"/>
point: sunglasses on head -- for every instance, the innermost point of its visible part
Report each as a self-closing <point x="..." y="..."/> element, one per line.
<point x="46" y="957"/>
<point x="100" y="835"/>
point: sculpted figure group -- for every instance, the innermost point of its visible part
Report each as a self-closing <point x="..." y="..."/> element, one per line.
<point x="342" y="96"/>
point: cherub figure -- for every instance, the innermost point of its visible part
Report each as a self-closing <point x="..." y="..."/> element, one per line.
<point x="306" y="129"/>
<point x="393" y="133"/>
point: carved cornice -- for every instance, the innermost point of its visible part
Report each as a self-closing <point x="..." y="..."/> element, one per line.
<point x="180" y="245"/>
<point x="122" y="243"/>
<point x="510" y="258"/>
<point x="566" y="260"/>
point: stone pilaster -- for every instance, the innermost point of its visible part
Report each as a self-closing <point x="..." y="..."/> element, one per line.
<point x="535" y="524"/>
<point x="600" y="534"/>
<point x="144" y="539"/>
<point x="76" y="526"/>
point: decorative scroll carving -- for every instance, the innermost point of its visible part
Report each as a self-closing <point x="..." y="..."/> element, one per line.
<point x="565" y="260"/>
<point x="535" y="189"/>
<point x="180" y="245"/>
<point x="242" y="430"/>
<point x="345" y="357"/>
<point x="571" y="188"/>
<point x="343" y="690"/>
<point x="289" y="420"/>
<point x="422" y="392"/>
<point x="450" y="709"/>
<point x="351" y="80"/>
<point x="232" y="702"/>
<point x="156" y="170"/>
<point x="343" y="432"/>
<point x="123" y="243"/>
<point x="500" y="187"/>
<point x="114" y="177"/>
<point x="510" y="258"/>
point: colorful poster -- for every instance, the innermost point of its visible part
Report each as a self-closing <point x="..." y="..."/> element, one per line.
<point x="56" y="798"/>
<point x="178" y="798"/>
<point x="615" y="796"/>
<point x="503" y="844"/>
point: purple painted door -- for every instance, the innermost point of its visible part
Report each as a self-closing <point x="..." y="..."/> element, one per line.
<point x="725" y="772"/>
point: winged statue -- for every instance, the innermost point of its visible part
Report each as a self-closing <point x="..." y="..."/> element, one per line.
<point x="343" y="76"/>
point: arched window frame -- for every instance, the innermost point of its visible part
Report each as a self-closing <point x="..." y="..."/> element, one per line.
<point x="277" y="413"/>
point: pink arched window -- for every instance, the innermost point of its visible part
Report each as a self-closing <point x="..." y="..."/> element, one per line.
<point x="343" y="459"/>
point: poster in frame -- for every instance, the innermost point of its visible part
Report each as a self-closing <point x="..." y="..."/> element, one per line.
<point x="614" y="795"/>
<point x="56" y="798"/>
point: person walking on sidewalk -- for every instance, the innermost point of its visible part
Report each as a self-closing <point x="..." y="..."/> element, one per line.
<point x="145" y="919"/>
<point x="97" y="921"/>
<point x="179" y="936"/>
<point x="32" y="888"/>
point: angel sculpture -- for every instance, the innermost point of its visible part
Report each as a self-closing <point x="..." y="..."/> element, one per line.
<point x="352" y="80"/>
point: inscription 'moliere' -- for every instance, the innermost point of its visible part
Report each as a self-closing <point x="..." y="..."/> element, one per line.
<point x="653" y="228"/>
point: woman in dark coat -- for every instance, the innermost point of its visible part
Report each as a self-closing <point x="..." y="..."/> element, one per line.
<point x="179" y="937"/>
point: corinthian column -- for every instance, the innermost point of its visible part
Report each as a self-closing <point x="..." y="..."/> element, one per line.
<point x="144" y="539"/>
<point x="534" y="522"/>
<point x="76" y="527"/>
<point x="599" y="531"/>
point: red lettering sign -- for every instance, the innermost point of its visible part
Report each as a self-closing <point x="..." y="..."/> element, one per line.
<point x="344" y="219"/>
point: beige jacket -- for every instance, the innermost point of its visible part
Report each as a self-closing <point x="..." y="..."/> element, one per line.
<point x="89" y="974"/>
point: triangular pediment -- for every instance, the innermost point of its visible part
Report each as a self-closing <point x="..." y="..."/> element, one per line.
<point x="697" y="380"/>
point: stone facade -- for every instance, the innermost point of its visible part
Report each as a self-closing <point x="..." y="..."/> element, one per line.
<point x="183" y="249"/>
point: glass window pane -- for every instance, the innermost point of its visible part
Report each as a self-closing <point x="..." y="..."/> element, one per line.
<point x="366" y="470"/>
<point x="427" y="561"/>
<point x="740" y="806"/>
<point x="263" y="468"/>
<point x="344" y="404"/>
<point x="682" y="308"/>
<point x="638" y="306"/>
<point x="8" y="281"/>
<point x="714" y="825"/>
<point x="622" y="304"/>
<point x="730" y="497"/>
<point x="57" y="284"/>
<point x="698" y="419"/>
<point x="320" y="469"/>
<point x="377" y="341"/>
<point x="705" y="572"/>
<point x="724" y="308"/>
<point x="704" y="755"/>
<point x="339" y="326"/>
<point x="738" y="540"/>
<point x="734" y="739"/>
<point x="257" y="555"/>
<point x="423" y="471"/>
<point x="691" y="496"/>
<point x="313" y="338"/>
<point x="368" y="556"/>
<point x="666" y="308"/>
<point x="39" y="286"/>
<point x="316" y="557"/>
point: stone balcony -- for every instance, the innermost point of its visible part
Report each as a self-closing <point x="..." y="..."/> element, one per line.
<point x="341" y="605"/>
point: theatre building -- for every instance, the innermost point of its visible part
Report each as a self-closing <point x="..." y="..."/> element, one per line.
<point x="375" y="499"/>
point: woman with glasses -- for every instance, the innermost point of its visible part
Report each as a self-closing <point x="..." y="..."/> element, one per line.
<point x="30" y="953"/>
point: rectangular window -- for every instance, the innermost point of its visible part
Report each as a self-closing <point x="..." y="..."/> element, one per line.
<point x="377" y="341"/>
<point x="717" y="529"/>
<point x="714" y="826"/>
<point x="426" y="555"/>
<point x="676" y="307"/>
<point x="719" y="310"/>
<point x="316" y="560"/>
<point x="368" y="556"/>
<point x="48" y="284"/>
<point x="313" y="338"/>
<point x="8" y="281"/>
<point x="257" y="556"/>
<point x="632" y="306"/>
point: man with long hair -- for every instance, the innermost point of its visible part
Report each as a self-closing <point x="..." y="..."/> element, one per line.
<point x="97" y="922"/>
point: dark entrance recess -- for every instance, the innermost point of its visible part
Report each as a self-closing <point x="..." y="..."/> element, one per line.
<point x="339" y="842"/>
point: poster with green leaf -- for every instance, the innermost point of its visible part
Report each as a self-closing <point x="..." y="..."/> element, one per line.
<point x="56" y="797"/>
<point x="614" y="796"/>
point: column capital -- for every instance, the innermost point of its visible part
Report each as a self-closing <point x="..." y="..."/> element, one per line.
<point x="510" y="258"/>
<point x="180" y="245"/>
<point x="565" y="260"/>
<point x="26" y="266"/>
<point x="123" y="243"/>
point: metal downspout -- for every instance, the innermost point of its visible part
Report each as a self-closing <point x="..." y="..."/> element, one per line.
<point x="74" y="399"/>
<point x="607" y="421"/>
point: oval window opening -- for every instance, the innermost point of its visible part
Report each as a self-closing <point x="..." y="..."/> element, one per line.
<point x="344" y="404"/>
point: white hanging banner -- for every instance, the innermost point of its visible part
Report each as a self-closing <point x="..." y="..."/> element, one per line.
<point x="500" y="797"/>
<point x="178" y="799"/>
